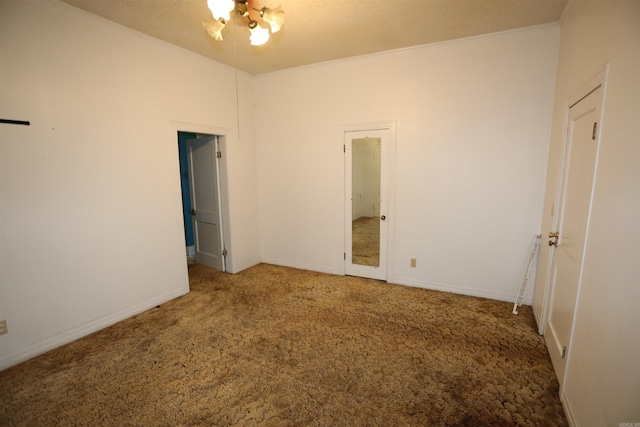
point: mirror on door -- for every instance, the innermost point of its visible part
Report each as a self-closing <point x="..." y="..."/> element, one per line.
<point x="365" y="193"/>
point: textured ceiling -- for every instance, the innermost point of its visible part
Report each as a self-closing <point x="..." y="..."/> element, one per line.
<point x="323" y="30"/>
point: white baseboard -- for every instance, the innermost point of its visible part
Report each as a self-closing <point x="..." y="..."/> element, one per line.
<point x="538" y="317"/>
<point x="444" y="287"/>
<point x="303" y="266"/>
<point x="66" y="337"/>
<point x="241" y="267"/>
<point x="568" y="411"/>
<point x="462" y="290"/>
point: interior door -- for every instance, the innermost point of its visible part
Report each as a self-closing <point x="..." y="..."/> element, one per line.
<point x="205" y="201"/>
<point x="366" y="203"/>
<point x="581" y="147"/>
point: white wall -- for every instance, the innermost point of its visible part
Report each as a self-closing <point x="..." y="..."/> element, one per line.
<point x="473" y="122"/>
<point x="603" y="370"/>
<point x="90" y="216"/>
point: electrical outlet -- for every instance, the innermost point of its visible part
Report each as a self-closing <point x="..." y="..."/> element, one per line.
<point x="413" y="262"/>
<point x="3" y="327"/>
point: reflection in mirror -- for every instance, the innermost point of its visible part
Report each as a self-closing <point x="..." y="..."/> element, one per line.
<point x="365" y="201"/>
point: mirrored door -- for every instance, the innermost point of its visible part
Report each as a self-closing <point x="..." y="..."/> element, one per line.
<point x="366" y="203"/>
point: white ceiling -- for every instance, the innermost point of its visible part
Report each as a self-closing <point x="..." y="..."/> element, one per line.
<point x="323" y="30"/>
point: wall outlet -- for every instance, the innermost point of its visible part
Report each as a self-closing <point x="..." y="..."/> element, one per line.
<point x="3" y="327"/>
<point x="413" y="262"/>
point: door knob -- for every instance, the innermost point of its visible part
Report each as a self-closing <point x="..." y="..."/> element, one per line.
<point x="383" y="217"/>
<point x="193" y="211"/>
<point x="554" y="236"/>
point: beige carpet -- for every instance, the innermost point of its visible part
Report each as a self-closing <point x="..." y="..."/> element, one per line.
<point x="275" y="346"/>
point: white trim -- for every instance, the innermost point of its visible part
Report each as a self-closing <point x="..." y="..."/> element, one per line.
<point x="304" y="266"/>
<point x="568" y="409"/>
<point x="199" y="128"/>
<point x="108" y="23"/>
<point x="435" y="286"/>
<point x="140" y="35"/>
<point x="391" y="127"/>
<point x="223" y="185"/>
<point x="460" y="289"/>
<point x="537" y="317"/>
<point x="221" y="216"/>
<point x="88" y="328"/>
<point x="599" y="79"/>
<point x="233" y="269"/>
<point x="411" y="48"/>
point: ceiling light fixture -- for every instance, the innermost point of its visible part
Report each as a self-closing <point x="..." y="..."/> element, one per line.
<point x="222" y="10"/>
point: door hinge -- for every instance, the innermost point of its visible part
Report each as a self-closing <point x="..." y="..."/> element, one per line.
<point x="595" y="128"/>
<point x="224" y="252"/>
<point x="345" y="256"/>
<point x="344" y="148"/>
<point x="564" y="351"/>
<point x="219" y="154"/>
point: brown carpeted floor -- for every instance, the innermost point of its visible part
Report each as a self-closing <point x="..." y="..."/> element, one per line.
<point x="275" y="346"/>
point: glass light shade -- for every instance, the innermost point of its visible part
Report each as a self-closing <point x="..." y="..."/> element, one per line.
<point x="275" y="17"/>
<point x="259" y="35"/>
<point x="221" y="8"/>
<point x="214" y="28"/>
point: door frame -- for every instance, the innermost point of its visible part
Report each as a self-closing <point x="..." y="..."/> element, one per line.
<point x="598" y="81"/>
<point x="223" y="138"/>
<point x="389" y="126"/>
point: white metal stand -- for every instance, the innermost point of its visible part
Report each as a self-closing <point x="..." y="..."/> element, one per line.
<point x="532" y="257"/>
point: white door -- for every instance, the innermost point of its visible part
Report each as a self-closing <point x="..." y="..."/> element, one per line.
<point x="205" y="201"/>
<point x="366" y="203"/>
<point x="581" y="147"/>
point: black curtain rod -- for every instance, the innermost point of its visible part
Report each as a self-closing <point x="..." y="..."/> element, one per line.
<point x="15" y="122"/>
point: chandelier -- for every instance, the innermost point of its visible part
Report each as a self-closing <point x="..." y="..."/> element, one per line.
<point x="222" y="10"/>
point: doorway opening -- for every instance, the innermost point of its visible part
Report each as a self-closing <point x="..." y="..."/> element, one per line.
<point x="201" y="180"/>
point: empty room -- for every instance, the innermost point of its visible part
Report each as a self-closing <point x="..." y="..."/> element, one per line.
<point x="329" y="227"/>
